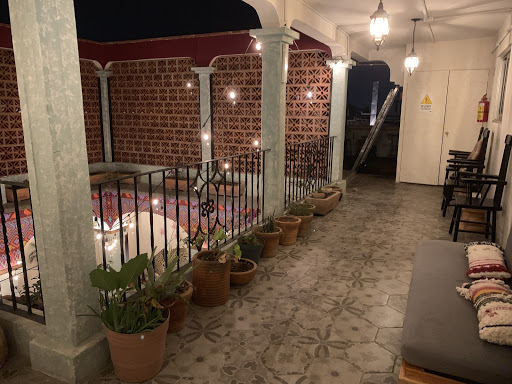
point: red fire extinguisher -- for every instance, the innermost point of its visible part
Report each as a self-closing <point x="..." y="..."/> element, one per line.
<point x="483" y="110"/>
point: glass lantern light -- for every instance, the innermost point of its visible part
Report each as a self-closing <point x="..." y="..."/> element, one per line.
<point x="379" y="25"/>
<point x="412" y="61"/>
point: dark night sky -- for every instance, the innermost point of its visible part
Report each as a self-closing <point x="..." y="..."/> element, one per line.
<point x="118" y="20"/>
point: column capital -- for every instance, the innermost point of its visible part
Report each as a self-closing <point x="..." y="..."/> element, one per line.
<point x="340" y="63"/>
<point x="103" y="74"/>
<point x="277" y="34"/>
<point x="203" y="70"/>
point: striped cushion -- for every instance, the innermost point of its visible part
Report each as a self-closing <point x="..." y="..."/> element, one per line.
<point x="486" y="261"/>
<point x="493" y="302"/>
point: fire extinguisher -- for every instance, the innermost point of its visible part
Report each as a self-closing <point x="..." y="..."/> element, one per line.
<point x="483" y="110"/>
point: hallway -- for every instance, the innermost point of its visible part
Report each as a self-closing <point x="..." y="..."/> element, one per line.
<point x="327" y="310"/>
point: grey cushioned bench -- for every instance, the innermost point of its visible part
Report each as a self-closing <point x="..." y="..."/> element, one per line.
<point x="440" y="331"/>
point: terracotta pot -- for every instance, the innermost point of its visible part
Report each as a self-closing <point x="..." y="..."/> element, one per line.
<point x="252" y="252"/>
<point x="210" y="280"/>
<point x="324" y="205"/>
<point x="178" y="309"/>
<point x="290" y="226"/>
<point x="3" y="348"/>
<point x="138" y="357"/>
<point x="305" y="224"/>
<point x="242" y="278"/>
<point x="318" y="195"/>
<point x="271" y="241"/>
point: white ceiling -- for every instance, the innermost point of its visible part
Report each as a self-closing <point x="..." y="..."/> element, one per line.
<point x="471" y="19"/>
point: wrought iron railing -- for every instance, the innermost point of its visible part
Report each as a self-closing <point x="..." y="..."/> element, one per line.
<point x="308" y="167"/>
<point x="175" y="210"/>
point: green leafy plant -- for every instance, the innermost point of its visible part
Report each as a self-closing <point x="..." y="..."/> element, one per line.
<point x="118" y="315"/>
<point x="250" y="239"/>
<point x="299" y="209"/>
<point x="35" y="293"/>
<point x="269" y="225"/>
<point x="159" y="288"/>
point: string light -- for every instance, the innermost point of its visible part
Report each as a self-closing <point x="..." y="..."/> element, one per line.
<point x="131" y="225"/>
<point x="155" y="201"/>
<point x="226" y="165"/>
<point x="16" y="277"/>
<point x="98" y="236"/>
<point x="256" y="142"/>
<point x="205" y="136"/>
<point x="258" y="46"/>
<point x="310" y="94"/>
<point x="232" y="94"/>
<point x="189" y="84"/>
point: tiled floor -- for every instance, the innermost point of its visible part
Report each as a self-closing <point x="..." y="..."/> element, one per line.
<point x="327" y="310"/>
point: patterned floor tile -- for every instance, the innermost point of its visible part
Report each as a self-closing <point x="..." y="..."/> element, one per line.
<point x="323" y="311"/>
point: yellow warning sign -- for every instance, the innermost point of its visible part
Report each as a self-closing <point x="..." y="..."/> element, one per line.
<point x="426" y="104"/>
<point x="426" y="100"/>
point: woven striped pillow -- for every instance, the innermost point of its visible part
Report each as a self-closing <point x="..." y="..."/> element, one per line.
<point x="492" y="299"/>
<point x="486" y="261"/>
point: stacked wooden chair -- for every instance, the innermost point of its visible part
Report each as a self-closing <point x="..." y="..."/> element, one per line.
<point x="478" y="188"/>
<point x="463" y="162"/>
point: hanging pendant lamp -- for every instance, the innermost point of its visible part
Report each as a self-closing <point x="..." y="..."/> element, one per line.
<point x="412" y="60"/>
<point x="379" y="25"/>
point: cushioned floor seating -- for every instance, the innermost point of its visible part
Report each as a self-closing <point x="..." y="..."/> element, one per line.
<point x="440" y="330"/>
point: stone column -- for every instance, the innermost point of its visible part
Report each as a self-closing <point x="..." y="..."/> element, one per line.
<point x="105" y="114"/>
<point x="275" y="42"/>
<point x="338" y="113"/>
<point x="48" y="72"/>
<point x="205" y="101"/>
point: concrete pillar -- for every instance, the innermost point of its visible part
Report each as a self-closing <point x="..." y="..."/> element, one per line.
<point x="275" y="43"/>
<point x="338" y="113"/>
<point x="48" y="71"/>
<point x="205" y="101"/>
<point x="105" y="115"/>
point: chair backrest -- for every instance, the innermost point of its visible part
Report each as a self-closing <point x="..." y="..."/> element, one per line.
<point x="482" y="129"/>
<point x="485" y="140"/>
<point x="503" y="170"/>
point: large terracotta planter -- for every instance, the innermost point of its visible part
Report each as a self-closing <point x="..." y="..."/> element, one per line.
<point x="170" y="184"/>
<point x="252" y="252"/>
<point x="305" y="224"/>
<point x="271" y="241"/>
<point x="242" y="278"/>
<point x="178" y="309"/>
<point x="324" y="205"/>
<point x="230" y="190"/>
<point x="3" y="348"/>
<point x="290" y="226"/>
<point x="210" y="280"/>
<point x="138" y="357"/>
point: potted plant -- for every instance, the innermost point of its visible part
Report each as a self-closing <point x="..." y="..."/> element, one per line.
<point x="323" y="201"/>
<point x="211" y="275"/>
<point x="304" y="212"/>
<point x="173" y="293"/>
<point x="136" y="328"/>
<point x="270" y="234"/>
<point x="251" y="247"/>
<point x="290" y="226"/>
<point x="242" y="270"/>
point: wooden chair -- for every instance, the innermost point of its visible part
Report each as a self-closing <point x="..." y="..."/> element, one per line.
<point x="461" y="155"/>
<point x="452" y="182"/>
<point x="478" y="186"/>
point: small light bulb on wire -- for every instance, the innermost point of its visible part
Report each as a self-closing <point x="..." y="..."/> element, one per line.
<point x="256" y="142"/>
<point x="205" y="136"/>
<point x="155" y="201"/>
<point x="310" y="94"/>
<point x="131" y="225"/>
<point x="232" y="94"/>
<point x="226" y="165"/>
<point x="189" y="84"/>
<point x="258" y="46"/>
<point x="98" y="236"/>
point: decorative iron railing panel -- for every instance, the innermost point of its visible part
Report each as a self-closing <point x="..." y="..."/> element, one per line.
<point x="308" y="168"/>
<point x="174" y="210"/>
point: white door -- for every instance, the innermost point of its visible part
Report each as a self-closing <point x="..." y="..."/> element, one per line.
<point x="422" y="132"/>
<point x="465" y="89"/>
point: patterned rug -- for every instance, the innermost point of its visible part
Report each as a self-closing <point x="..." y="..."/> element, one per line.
<point x="227" y="216"/>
